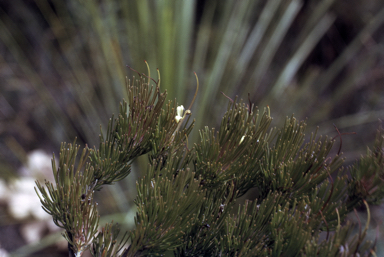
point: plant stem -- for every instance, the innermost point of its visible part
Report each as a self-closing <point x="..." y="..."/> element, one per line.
<point x="70" y="250"/>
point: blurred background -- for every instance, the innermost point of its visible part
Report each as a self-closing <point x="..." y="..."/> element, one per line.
<point x="63" y="71"/>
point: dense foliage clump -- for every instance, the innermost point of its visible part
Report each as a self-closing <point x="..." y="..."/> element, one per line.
<point x="186" y="199"/>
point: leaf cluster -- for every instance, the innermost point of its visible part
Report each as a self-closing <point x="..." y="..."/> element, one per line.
<point x="367" y="175"/>
<point x="136" y="131"/>
<point x="186" y="199"/>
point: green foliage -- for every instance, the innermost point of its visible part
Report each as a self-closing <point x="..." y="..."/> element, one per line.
<point x="246" y="233"/>
<point x="186" y="197"/>
<point x="70" y="201"/>
<point x="367" y="175"/>
<point x="341" y="243"/>
<point x="105" y="242"/>
<point x="233" y="154"/>
<point x="129" y="135"/>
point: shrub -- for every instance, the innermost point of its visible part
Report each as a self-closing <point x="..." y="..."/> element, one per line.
<point x="186" y="199"/>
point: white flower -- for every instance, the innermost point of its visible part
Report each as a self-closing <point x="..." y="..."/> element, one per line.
<point x="180" y="109"/>
<point x="241" y="140"/>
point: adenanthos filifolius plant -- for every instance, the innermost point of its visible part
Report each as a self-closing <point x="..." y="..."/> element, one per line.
<point x="186" y="199"/>
<point x="70" y="201"/>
